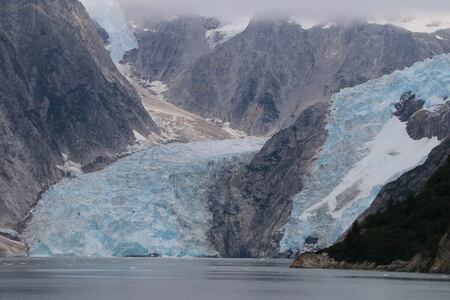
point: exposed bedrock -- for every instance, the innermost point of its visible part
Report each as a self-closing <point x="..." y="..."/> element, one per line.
<point x="251" y="205"/>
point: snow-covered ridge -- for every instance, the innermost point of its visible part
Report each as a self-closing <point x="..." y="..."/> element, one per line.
<point x="421" y="23"/>
<point x="152" y="202"/>
<point x="366" y="148"/>
<point x="222" y="34"/>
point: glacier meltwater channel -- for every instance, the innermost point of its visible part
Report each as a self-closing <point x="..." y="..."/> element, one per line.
<point x="366" y="148"/>
<point x="152" y="202"/>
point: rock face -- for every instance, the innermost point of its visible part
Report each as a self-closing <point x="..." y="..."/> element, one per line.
<point x="61" y="99"/>
<point x="324" y="261"/>
<point x="262" y="78"/>
<point x="419" y="263"/>
<point x="11" y="248"/>
<point x="408" y="106"/>
<point x="251" y="205"/>
<point x="442" y="261"/>
<point x="427" y="123"/>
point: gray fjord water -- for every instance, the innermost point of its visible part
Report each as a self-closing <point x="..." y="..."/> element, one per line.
<point x="204" y="279"/>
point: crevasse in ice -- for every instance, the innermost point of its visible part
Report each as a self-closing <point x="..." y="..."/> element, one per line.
<point x="366" y="148"/>
<point x="110" y="17"/>
<point x="152" y="202"/>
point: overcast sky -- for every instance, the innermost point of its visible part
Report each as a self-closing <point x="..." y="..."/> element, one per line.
<point x="235" y="9"/>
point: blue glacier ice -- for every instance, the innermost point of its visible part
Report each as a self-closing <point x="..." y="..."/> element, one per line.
<point x="110" y="17"/>
<point x="366" y="148"/>
<point x="152" y="202"/>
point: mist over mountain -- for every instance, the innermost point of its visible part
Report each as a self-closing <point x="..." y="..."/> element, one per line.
<point x="321" y="9"/>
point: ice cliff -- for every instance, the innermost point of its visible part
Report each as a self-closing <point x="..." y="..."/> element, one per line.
<point x="153" y="202"/>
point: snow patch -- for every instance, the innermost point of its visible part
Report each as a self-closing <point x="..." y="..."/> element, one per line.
<point x="158" y="87"/>
<point x="306" y="23"/>
<point x="222" y="34"/>
<point x="70" y="168"/>
<point x="226" y="126"/>
<point x="139" y="137"/>
<point x="329" y="25"/>
<point x="420" y="23"/>
<point x="439" y="37"/>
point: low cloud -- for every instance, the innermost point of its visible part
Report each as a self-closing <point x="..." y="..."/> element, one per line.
<point x="234" y="9"/>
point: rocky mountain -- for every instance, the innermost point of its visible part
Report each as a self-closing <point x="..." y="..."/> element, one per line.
<point x="261" y="79"/>
<point x="251" y="205"/>
<point x="63" y="104"/>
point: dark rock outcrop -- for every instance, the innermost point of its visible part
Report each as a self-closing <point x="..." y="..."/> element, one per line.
<point x="428" y="124"/>
<point x="408" y="106"/>
<point x="250" y="206"/>
<point x="261" y="79"/>
<point x="420" y="264"/>
<point x="61" y="99"/>
<point x="442" y="261"/>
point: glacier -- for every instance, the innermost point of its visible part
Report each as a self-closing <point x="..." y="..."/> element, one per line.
<point x="110" y="17"/>
<point x="366" y="148"/>
<point x="152" y="202"/>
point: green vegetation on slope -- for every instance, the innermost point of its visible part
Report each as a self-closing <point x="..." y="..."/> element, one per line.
<point x="404" y="229"/>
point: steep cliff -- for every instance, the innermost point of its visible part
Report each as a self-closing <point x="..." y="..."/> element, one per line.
<point x="251" y="205"/>
<point x="62" y="101"/>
